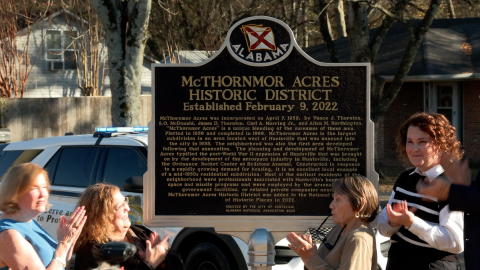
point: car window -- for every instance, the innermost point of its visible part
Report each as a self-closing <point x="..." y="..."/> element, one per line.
<point x="121" y="164"/>
<point x="75" y="166"/>
<point x="10" y="158"/>
<point x="52" y="166"/>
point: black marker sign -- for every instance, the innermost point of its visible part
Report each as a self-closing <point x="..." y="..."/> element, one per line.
<point x="258" y="132"/>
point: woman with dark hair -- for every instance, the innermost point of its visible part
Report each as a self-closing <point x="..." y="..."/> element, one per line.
<point x="425" y="234"/>
<point x="24" y="244"/>
<point x="108" y="221"/>
<point x="351" y="243"/>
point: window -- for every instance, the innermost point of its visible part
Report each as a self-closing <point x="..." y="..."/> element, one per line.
<point x="446" y="98"/>
<point x="10" y="158"/>
<point x="74" y="168"/>
<point x="61" y="49"/>
<point x="52" y="166"/>
<point x="123" y="163"/>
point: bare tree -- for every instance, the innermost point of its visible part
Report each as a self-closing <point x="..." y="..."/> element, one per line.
<point x="89" y="46"/>
<point x="365" y="48"/>
<point x="203" y="24"/>
<point x="15" y="61"/>
<point x="125" y="24"/>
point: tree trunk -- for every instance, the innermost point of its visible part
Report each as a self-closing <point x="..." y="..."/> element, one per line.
<point x="303" y="27"/>
<point x="358" y="32"/>
<point x="341" y="27"/>
<point x="125" y="24"/>
<point x="325" y="30"/>
<point x="186" y="26"/>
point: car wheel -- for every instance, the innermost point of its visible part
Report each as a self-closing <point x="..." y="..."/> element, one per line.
<point x="206" y="256"/>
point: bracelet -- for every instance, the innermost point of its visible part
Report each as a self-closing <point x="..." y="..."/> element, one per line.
<point x="62" y="261"/>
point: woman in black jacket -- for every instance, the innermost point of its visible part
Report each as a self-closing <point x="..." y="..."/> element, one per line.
<point x="462" y="195"/>
<point x="108" y="221"/>
<point x="425" y="233"/>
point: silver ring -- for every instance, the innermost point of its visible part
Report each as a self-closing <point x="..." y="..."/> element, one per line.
<point x="166" y="249"/>
<point x="75" y="226"/>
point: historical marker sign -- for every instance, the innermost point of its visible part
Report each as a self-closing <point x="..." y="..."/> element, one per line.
<point x="255" y="136"/>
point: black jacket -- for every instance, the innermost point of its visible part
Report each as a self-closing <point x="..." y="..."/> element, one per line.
<point x="467" y="199"/>
<point x="89" y="256"/>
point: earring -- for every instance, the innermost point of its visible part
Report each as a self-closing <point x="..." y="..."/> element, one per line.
<point x="357" y="215"/>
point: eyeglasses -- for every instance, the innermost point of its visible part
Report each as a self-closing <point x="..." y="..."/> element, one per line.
<point x="318" y="235"/>
<point x="123" y="204"/>
<point x="327" y="245"/>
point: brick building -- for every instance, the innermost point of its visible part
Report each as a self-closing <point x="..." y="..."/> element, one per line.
<point x="444" y="78"/>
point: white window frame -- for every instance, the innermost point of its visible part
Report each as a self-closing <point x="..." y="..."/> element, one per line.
<point x="61" y="50"/>
<point x="431" y="100"/>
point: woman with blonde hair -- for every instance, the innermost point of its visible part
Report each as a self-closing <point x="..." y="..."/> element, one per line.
<point x="24" y="244"/>
<point x="425" y="234"/>
<point x="351" y="243"/>
<point x="108" y="221"/>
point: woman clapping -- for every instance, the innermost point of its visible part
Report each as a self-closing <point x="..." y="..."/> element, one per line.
<point x="108" y="221"/>
<point x="351" y="243"/>
<point x="24" y="244"/>
<point x="425" y="234"/>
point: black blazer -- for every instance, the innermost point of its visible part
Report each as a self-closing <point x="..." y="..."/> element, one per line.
<point x="89" y="256"/>
<point x="467" y="199"/>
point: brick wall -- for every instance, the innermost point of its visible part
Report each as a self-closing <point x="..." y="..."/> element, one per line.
<point x="408" y="101"/>
<point x="471" y="120"/>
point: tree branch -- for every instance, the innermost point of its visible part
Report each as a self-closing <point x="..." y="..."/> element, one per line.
<point x="415" y="6"/>
<point x="380" y="35"/>
<point x="407" y="61"/>
<point x="386" y="24"/>
<point x="388" y="13"/>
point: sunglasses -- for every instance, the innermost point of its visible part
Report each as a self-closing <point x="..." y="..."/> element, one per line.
<point x="319" y="235"/>
<point x="122" y="204"/>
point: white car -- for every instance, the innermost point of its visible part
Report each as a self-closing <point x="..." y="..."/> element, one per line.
<point x="119" y="157"/>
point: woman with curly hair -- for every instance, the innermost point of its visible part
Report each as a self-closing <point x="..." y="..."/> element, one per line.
<point x="425" y="234"/>
<point x="108" y="221"/>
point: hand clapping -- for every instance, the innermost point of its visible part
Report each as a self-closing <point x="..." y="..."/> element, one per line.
<point x="302" y="246"/>
<point x="457" y="172"/>
<point x="399" y="214"/>
<point x="69" y="230"/>
<point x="156" y="250"/>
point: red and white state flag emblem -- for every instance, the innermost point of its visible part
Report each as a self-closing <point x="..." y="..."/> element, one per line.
<point x="258" y="37"/>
